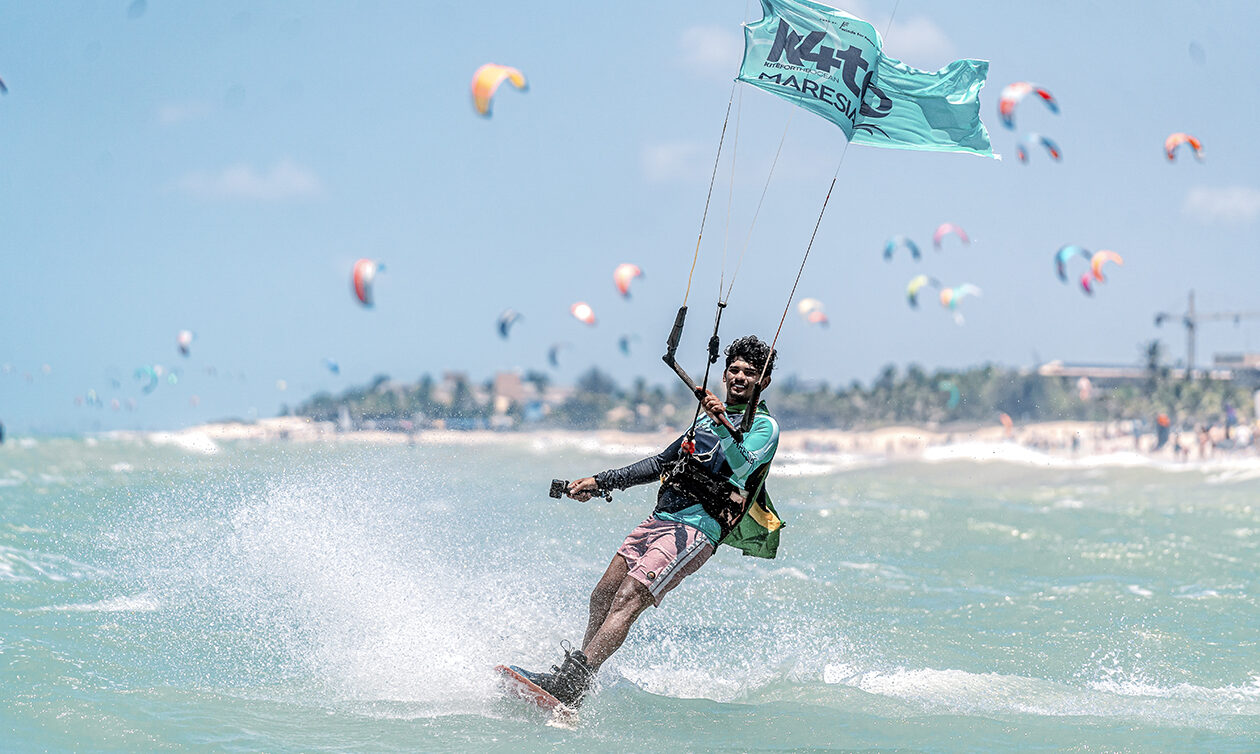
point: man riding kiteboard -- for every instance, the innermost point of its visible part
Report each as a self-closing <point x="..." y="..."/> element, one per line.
<point x="712" y="491"/>
<point x="712" y="479"/>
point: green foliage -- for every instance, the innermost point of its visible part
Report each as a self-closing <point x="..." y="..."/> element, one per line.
<point x="595" y="396"/>
<point x="892" y="398"/>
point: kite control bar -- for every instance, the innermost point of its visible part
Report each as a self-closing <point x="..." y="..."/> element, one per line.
<point x="559" y="487"/>
<point x="671" y="348"/>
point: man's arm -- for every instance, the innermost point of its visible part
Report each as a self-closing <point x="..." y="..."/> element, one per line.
<point x="640" y="472"/>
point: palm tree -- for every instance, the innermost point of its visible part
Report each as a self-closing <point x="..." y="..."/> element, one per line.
<point x="1153" y="356"/>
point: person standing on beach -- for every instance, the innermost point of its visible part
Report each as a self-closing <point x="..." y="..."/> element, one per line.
<point x="1205" y="441"/>
<point x="711" y="483"/>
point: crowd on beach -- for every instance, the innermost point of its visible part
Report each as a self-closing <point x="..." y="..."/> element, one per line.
<point x="1188" y="442"/>
<point x="1185" y="443"/>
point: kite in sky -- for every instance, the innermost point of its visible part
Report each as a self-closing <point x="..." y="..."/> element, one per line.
<point x="1175" y="140"/>
<point x="623" y="275"/>
<point x="486" y="82"/>
<point x="916" y="284"/>
<point x="553" y="354"/>
<point x="506" y="320"/>
<point x="812" y="310"/>
<point x="899" y="240"/>
<point x="362" y="278"/>
<point x="1024" y="147"/>
<point x="583" y="312"/>
<point x="951" y="296"/>
<point x="1096" y="263"/>
<point x="1012" y="94"/>
<point x="1065" y="253"/>
<point x="946" y="229"/>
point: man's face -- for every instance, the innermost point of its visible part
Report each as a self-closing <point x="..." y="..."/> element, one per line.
<point x="739" y="378"/>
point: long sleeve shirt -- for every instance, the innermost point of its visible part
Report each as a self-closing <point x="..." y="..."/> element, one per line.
<point x="721" y="455"/>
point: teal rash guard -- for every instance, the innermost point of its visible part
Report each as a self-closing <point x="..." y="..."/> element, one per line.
<point x="719" y="454"/>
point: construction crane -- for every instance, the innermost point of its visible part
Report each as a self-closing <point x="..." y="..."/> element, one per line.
<point x="1191" y="320"/>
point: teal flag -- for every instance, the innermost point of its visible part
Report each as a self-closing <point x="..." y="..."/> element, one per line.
<point x="832" y="64"/>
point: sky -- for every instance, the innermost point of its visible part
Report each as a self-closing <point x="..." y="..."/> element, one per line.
<point x="219" y="167"/>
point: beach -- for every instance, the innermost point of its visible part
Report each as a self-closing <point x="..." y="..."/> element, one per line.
<point x="1046" y="442"/>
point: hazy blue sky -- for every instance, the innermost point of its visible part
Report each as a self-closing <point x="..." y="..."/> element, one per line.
<point x="219" y="166"/>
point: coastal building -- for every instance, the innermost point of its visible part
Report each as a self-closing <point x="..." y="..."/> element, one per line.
<point x="509" y="388"/>
<point x="1104" y="375"/>
<point x="1241" y="368"/>
<point x="1245" y="367"/>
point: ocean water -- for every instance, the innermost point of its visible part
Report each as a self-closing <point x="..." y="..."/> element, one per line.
<point x="171" y="593"/>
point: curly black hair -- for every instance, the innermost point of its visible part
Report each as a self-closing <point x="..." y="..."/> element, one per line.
<point x="754" y="351"/>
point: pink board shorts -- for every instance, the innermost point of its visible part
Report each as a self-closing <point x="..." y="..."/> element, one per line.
<point x="660" y="554"/>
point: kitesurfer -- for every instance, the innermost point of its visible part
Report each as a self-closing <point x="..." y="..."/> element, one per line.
<point x="708" y="481"/>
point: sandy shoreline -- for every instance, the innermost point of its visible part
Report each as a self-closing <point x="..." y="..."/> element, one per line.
<point x="1065" y="439"/>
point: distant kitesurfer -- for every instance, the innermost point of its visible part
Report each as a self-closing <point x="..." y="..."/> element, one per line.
<point x="708" y="479"/>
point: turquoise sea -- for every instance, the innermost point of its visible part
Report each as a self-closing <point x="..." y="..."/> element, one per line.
<point x="351" y="597"/>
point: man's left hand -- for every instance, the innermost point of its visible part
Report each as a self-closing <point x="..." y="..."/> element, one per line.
<point x="713" y="406"/>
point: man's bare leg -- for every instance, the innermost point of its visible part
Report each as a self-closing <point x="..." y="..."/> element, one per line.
<point x="602" y="596"/>
<point x="630" y="600"/>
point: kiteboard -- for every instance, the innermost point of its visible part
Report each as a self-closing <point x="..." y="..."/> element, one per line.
<point x="515" y="684"/>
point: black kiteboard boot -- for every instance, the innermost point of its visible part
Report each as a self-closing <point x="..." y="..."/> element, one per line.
<point x="568" y="681"/>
